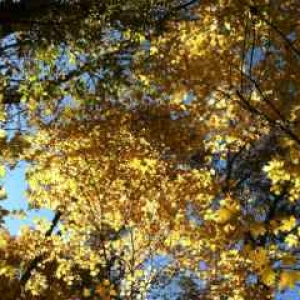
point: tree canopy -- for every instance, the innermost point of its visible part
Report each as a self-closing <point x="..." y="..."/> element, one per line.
<point x="155" y="131"/>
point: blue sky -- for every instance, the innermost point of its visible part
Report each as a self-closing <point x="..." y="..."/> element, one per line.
<point x="15" y="185"/>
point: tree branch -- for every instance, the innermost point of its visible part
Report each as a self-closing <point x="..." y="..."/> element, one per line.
<point x="33" y="264"/>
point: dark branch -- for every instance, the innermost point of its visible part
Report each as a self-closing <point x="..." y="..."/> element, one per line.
<point x="33" y="264"/>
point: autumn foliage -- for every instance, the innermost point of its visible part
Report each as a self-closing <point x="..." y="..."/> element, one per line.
<point x="153" y="130"/>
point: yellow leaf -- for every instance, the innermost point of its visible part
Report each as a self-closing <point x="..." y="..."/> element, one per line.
<point x="257" y="229"/>
<point x="86" y="292"/>
<point x="3" y="194"/>
<point x="289" y="260"/>
<point x="112" y="292"/>
<point x="291" y="240"/>
<point x="224" y="215"/>
<point x="3" y="242"/>
<point x="2" y="133"/>
<point x="259" y="257"/>
<point x="106" y="282"/>
<point x="2" y="171"/>
<point x="288" y="224"/>
<point x="288" y="279"/>
<point x="186" y="242"/>
<point x="153" y="50"/>
<point x="268" y="276"/>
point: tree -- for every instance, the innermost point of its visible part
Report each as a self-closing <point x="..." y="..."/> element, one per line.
<point x="153" y="129"/>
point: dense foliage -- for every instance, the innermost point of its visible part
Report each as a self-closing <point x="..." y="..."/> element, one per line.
<point x="155" y="131"/>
